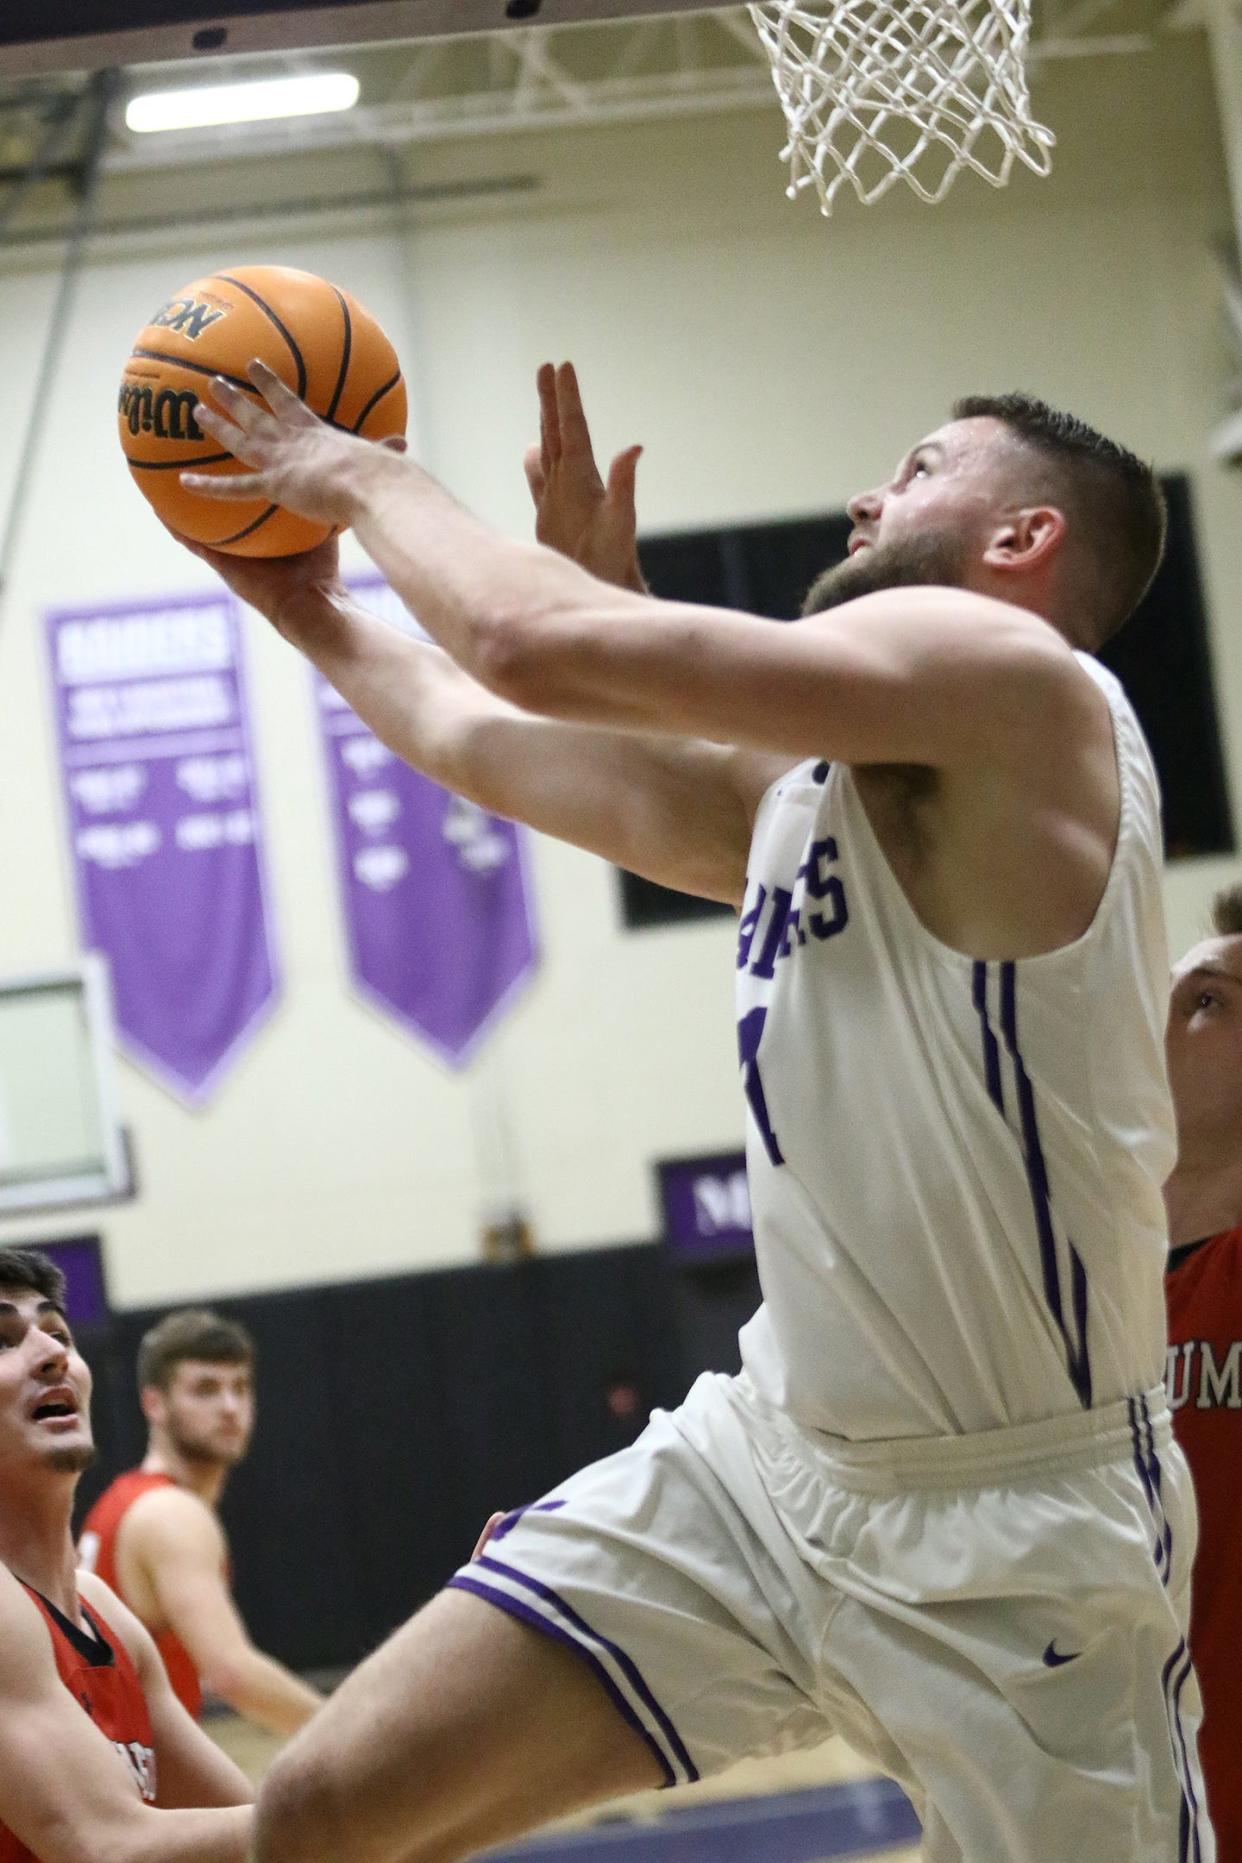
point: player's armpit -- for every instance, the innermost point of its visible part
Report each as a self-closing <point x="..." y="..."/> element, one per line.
<point x="65" y="1791"/>
<point x="677" y="811"/>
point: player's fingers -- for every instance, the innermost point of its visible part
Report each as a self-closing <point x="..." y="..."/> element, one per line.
<point x="231" y="433"/>
<point x="536" y="477"/>
<point x="575" y="434"/>
<point x="238" y="406"/>
<point x="486" y="1534"/>
<point x="395" y="443"/>
<point x="279" y="398"/>
<point x="227" y="488"/>
<point x="549" y="418"/>
<point x="621" y="476"/>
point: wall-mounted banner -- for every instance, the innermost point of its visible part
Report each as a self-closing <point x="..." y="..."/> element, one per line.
<point x="434" y="891"/>
<point x="705" y="1205"/>
<point x="164" y="827"/>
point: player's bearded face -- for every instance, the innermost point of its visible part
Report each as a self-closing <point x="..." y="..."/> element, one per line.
<point x="209" y="1414"/>
<point x="929" y="557"/>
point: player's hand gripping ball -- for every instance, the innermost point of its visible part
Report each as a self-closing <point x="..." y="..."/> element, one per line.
<point x="317" y="339"/>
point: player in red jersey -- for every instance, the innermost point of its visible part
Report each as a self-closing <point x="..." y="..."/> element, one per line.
<point x="98" y="1759"/>
<point x="154" y="1535"/>
<point x="1204" y="1287"/>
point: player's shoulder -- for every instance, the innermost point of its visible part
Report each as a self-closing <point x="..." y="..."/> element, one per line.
<point x="25" y="1642"/>
<point x="170" y="1515"/>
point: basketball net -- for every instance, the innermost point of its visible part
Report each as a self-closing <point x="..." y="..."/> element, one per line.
<point x="880" y="91"/>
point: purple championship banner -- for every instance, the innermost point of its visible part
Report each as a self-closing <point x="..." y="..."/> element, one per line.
<point x="164" y="829"/>
<point x="434" y="891"/>
<point x="705" y="1207"/>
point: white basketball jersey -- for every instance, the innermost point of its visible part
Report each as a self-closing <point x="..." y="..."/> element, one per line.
<point x="955" y="1166"/>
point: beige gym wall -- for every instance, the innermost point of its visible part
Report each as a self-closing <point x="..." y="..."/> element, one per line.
<point x="772" y="364"/>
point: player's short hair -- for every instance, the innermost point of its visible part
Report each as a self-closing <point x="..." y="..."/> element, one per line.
<point x="31" y="1271"/>
<point x="1227" y="911"/>
<point x="191" y="1333"/>
<point x="1111" y="500"/>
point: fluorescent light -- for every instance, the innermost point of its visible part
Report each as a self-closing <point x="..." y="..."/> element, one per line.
<point x="205" y="104"/>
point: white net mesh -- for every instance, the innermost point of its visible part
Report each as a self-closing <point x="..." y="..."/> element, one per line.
<point x="880" y="91"/>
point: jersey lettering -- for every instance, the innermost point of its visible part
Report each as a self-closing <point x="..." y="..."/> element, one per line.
<point x="787" y="925"/>
<point x="774" y="943"/>
<point x="1219" y="1382"/>
<point x="823" y="884"/>
<point x="749" y="1035"/>
<point x="141" y="1763"/>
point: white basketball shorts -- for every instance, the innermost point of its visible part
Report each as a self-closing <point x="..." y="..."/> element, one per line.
<point x="998" y="1620"/>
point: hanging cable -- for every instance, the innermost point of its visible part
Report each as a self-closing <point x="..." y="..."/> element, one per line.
<point x="96" y="99"/>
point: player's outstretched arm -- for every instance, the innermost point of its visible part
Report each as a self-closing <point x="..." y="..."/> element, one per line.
<point x="179" y="1545"/>
<point x="65" y="1791"/>
<point x="675" y="811"/>
<point x="938" y="677"/>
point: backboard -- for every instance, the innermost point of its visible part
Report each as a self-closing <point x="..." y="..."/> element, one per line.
<point x="41" y="36"/>
<point x="59" y="1138"/>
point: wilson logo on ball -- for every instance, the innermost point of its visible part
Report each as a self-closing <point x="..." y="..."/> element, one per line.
<point x="168" y="414"/>
<point x="188" y="316"/>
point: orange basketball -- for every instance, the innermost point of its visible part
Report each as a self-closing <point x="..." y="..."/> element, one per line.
<point x="318" y="339"/>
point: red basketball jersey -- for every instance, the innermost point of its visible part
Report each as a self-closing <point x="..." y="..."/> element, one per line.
<point x="1204" y="1292"/>
<point x="99" y="1673"/>
<point x="97" y="1549"/>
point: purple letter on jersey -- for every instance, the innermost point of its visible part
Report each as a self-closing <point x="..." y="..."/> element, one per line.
<point x="164" y="827"/>
<point x="437" y="915"/>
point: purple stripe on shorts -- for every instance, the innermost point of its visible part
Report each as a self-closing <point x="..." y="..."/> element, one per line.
<point x="1159" y="1551"/>
<point x="526" y="1614"/>
<point x="1183" y="1829"/>
<point x="1189" y="1849"/>
<point x="1189" y="1797"/>
<point x="510" y="1520"/>
<point x="626" y="1664"/>
<point x="1153" y="1463"/>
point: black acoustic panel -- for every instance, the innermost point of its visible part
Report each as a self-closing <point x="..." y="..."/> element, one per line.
<point x="1163" y="659"/>
<point x="395" y="1415"/>
<point x="762" y="569"/>
<point x="710" y="1306"/>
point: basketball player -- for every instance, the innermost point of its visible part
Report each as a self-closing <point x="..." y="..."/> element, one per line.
<point x="1204" y="1287"/>
<point x="97" y="1757"/>
<point x="940" y="1511"/>
<point x="155" y="1537"/>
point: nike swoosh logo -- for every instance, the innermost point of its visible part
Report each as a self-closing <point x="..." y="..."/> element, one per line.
<point x="1053" y="1657"/>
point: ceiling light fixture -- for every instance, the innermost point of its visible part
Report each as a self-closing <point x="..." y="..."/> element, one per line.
<point x="254" y="102"/>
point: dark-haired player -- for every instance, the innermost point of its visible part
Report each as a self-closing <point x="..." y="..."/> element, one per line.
<point x="98" y="1760"/>
<point x="1204" y="1287"/>
<point x="154" y="1534"/>
<point x="940" y="1510"/>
